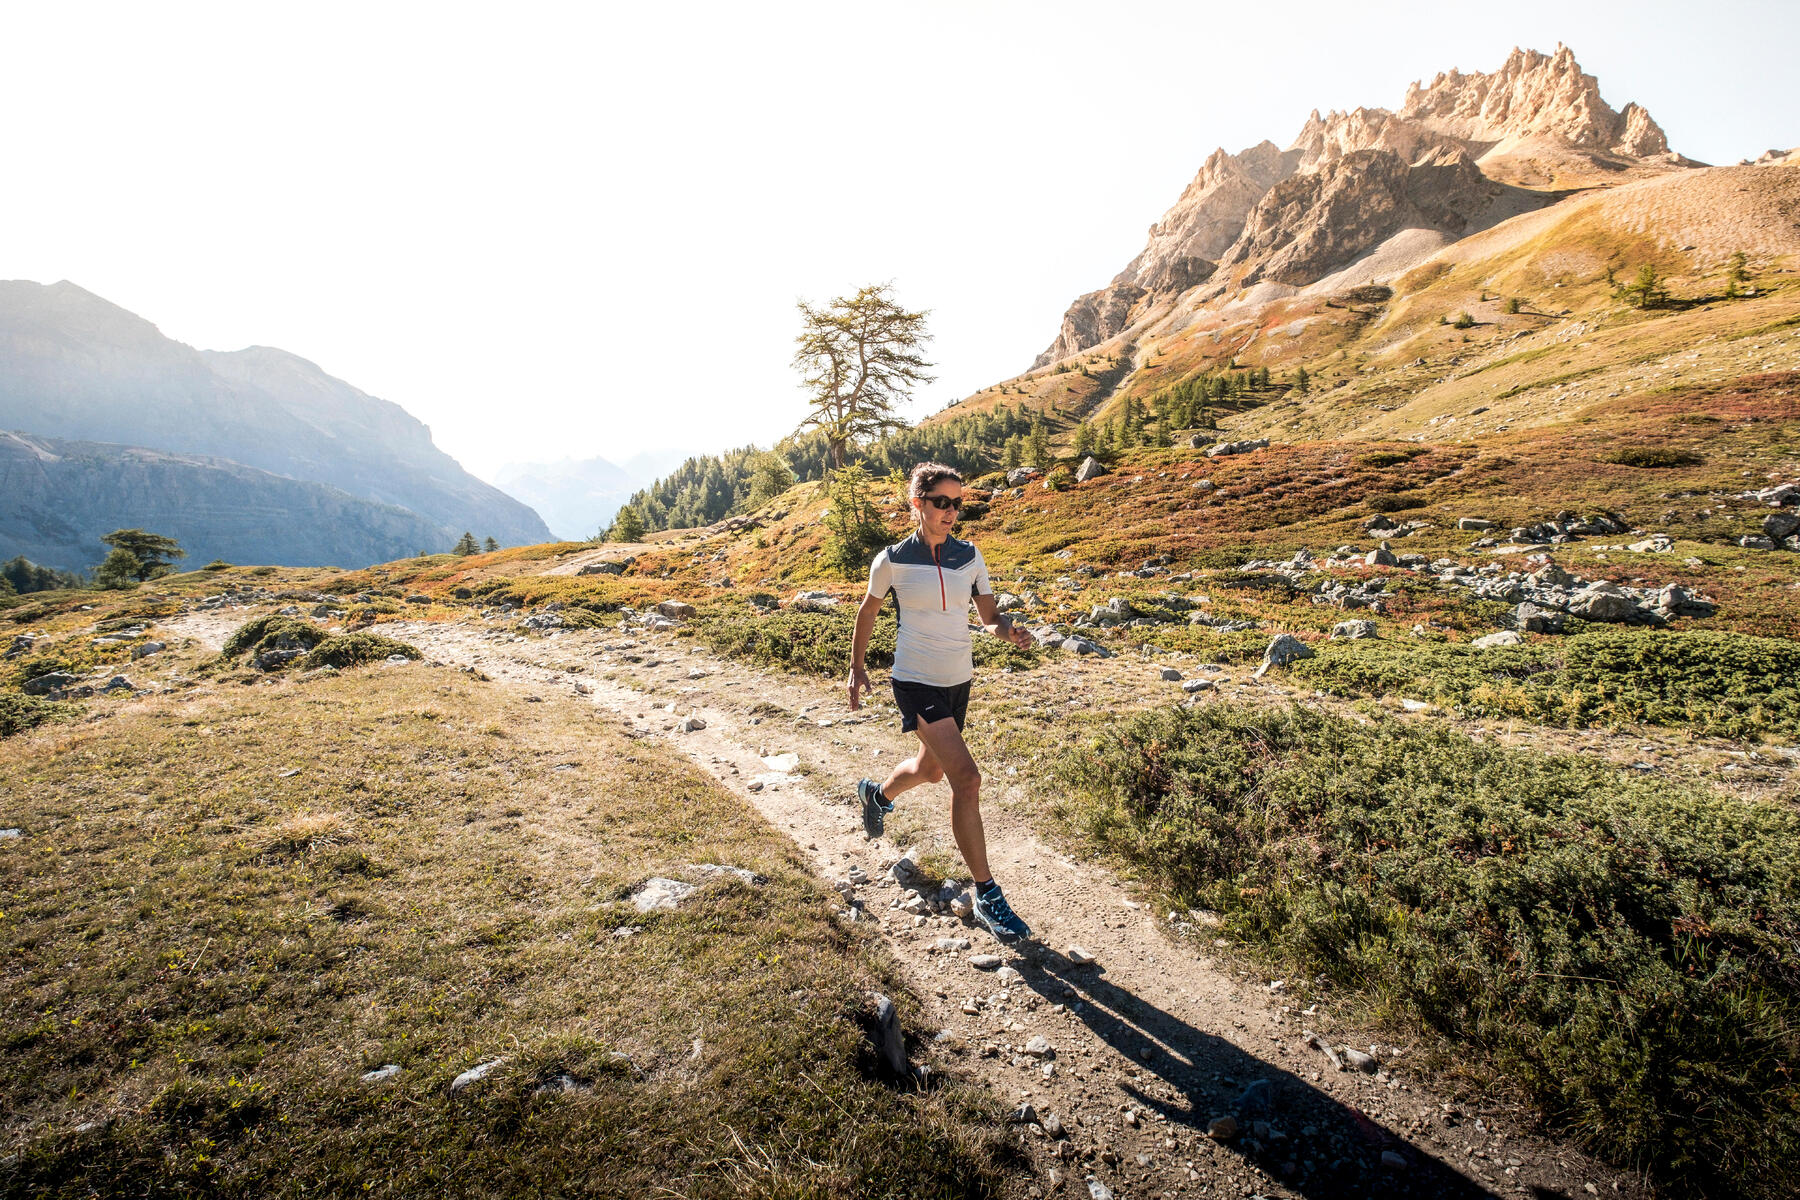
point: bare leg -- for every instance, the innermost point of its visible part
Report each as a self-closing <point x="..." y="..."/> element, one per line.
<point x="944" y="741"/>
<point x="920" y="768"/>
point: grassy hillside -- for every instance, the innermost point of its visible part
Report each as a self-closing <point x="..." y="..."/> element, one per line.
<point x="233" y="901"/>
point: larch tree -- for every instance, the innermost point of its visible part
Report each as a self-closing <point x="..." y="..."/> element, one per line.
<point x="858" y="357"/>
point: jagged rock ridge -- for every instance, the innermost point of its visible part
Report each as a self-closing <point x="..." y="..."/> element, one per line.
<point x="1350" y="180"/>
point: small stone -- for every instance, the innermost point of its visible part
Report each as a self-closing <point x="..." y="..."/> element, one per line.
<point x="1170" y="674"/>
<point x="1053" y="1126"/>
<point x="693" y="725"/>
<point x="984" y="962"/>
<point x="1025" y="1114"/>
<point x="381" y="1073"/>
<point x="1096" y="1189"/>
<point x="1038" y="1047"/>
<point x="1359" y="1061"/>
<point x="1008" y="977"/>
<point x="1393" y="1161"/>
<point x="7" y="835"/>
<point x="1079" y="957"/>
<point x="1131" y="1117"/>
<point x="660" y="893"/>
<point x="475" y="1074"/>
<point x="1197" y="685"/>
<point x="1222" y="1129"/>
<point x="952" y="943"/>
<point x="887" y="1026"/>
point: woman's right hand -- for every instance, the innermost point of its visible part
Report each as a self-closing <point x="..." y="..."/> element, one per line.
<point x="859" y="682"/>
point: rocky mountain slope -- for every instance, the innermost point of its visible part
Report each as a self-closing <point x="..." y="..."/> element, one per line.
<point x="57" y="497"/>
<point x="73" y="365"/>
<point x="1460" y="155"/>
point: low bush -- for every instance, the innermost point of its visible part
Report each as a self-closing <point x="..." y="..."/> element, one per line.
<point x="1730" y="684"/>
<point x="272" y="632"/>
<point x="1386" y="458"/>
<point x="1387" y="502"/>
<point x="1626" y="950"/>
<point x="19" y="713"/>
<point x="344" y="650"/>
<point x="1651" y="457"/>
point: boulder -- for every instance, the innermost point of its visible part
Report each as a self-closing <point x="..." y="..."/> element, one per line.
<point x="1379" y="523"/>
<point x="1089" y="469"/>
<point x="660" y="893"/>
<point x="1381" y="556"/>
<point x="1170" y="674"/>
<point x="1203" y="486"/>
<point x="1756" y="542"/>
<point x="602" y="568"/>
<point x="1505" y="637"/>
<point x="1081" y="645"/>
<point x="1244" y="447"/>
<point x="1604" y="601"/>
<point x="1020" y="476"/>
<point x="813" y="602"/>
<point x="1352" y="630"/>
<point x="1550" y="575"/>
<point x="44" y="685"/>
<point x="1286" y="648"/>
<point x="1475" y="524"/>
<point x="675" y="610"/>
<point x="1779" y="526"/>
<point x="1531" y="618"/>
<point x="146" y="649"/>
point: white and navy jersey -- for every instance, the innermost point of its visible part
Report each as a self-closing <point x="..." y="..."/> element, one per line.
<point x="932" y="592"/>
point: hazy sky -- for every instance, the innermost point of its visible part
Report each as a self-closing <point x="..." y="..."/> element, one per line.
<point x="574" y="230"/>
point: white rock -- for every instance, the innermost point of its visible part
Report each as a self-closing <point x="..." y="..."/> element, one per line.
<point x="1078" y="956"/>
<point x="475" y="1074"/>
<point x="1038" y="1047"/>
<point x="693" y="724"/>
<point x="784" y="763"/>
<point x="381" y="1073"/>
<point x="1009" y="977"/>
<point x="1505" y="637"/>
<point x="660" y="893"/>
<point x="984" y="962"/>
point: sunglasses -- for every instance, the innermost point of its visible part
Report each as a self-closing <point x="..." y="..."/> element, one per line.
<point x="942" y="502"/>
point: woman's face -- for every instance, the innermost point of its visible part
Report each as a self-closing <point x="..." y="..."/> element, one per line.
<point x="935" y="520"/>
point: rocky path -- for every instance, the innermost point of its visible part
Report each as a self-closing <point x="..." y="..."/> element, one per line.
<point x="1125" y="1062"/>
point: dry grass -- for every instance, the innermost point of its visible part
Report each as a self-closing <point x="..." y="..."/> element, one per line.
<point x="228" y="906"/>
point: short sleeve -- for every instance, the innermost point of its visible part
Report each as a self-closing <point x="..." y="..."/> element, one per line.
<point x="881" y="576"/>
<point x="981" y="586"/>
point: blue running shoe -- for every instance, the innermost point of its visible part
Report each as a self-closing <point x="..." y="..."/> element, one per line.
<point x="992" y="910"/>
<point x="875" y="807"/>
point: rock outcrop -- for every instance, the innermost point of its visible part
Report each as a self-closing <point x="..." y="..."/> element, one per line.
<point x="1351" y="180"/>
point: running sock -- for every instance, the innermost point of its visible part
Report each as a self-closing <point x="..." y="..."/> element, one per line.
<point x="881" y="799"/>
<point x="985" y="886"/>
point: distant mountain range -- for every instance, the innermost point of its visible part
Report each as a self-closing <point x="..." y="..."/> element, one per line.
<point x="577" y="498"/>
<point x="157" y="414"/>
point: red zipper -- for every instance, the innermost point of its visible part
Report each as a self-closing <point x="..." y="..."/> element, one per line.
<point x="943" y="597"/>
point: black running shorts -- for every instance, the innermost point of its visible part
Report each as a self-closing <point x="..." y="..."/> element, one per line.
<point x="920" y="703"/>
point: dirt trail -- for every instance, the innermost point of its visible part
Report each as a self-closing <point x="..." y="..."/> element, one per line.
<point x="1148" y="1044"/>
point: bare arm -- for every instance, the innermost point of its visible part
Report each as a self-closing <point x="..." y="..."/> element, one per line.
<point x="859" y="647"/>
<point x="998" y="623"/>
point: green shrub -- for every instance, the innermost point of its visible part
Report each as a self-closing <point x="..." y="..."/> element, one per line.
<point x="217" y="564"/>
<point x="1651" y="457"/>
<point x="19" y="713"/>
<point x="264" y="633"/>
<point x="1061" y="479"/>
<point x="1463" y="321"/>
<point x="344" y="650"/>
<point x="1626" y="950"/>
<point x="1386" y="458"/>
<point x="1731" y="684"/>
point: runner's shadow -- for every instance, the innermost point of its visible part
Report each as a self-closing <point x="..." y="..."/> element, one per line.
<point x="1311" y="1142"/>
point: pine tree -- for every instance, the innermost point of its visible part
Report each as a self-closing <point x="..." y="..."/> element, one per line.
<point x="466" y="545"/>
<point x="628" y="525"/>
<point x="1084" y="438"/>
<point x="1737" y="274"/>
<point x="151" y="553"/>
<point x="119" y="571"/>
<point x="1302" y="381"/>
<point x="854" y="527"/>
<point x="1013" y="453"/>
<point x="1037" y="446"/>
<point x="859" y="356"/>
<point x="490" y="545"/>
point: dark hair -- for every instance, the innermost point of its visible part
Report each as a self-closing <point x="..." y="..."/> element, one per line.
<point x="928" y="475"/>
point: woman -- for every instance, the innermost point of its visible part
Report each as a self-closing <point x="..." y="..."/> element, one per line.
<point x="933" y="665"/>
